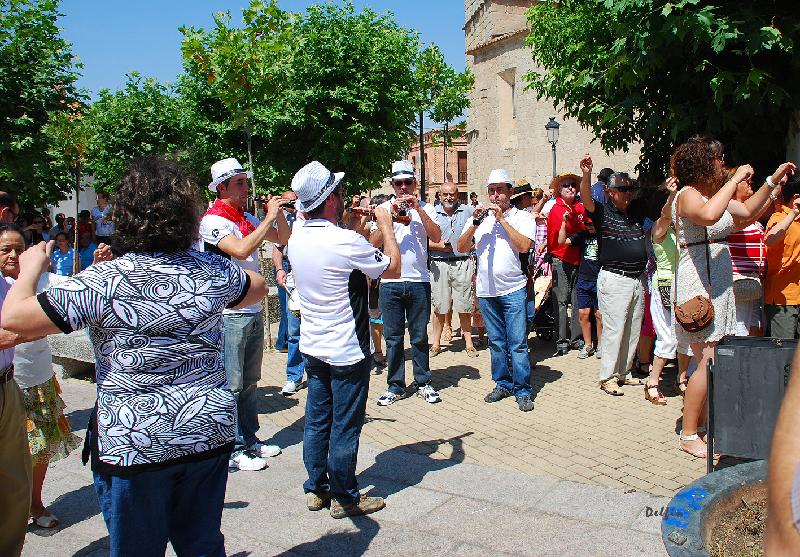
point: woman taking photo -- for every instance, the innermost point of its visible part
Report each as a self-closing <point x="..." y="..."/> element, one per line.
<point x="164" y="421"/>
<point x="705" y="213"/>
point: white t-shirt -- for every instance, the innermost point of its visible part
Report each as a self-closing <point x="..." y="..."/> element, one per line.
<point x="329" y="264"/>
<point x="214" y="228"/>
<point x="33" y="361"/>
<point x="499" y="271"/>
<point x="102" y="220"/>
<point x="413" y="243"/>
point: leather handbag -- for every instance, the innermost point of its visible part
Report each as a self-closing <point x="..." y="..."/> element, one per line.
<point x="697" y="313"/>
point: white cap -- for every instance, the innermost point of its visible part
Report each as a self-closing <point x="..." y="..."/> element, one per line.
<point x="224" y="169"/>
<point x="499" y="176"/>
<point x="402" y="169"/>
<point x="313" y="184"/>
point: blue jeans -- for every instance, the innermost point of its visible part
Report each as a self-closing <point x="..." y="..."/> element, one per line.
<point x="244" y="347"/>
<point x="281" y="340"/>
<point x="504" y="317"/>
<point x="401" y="302"/>
<point x="294" y="362"/>
<point x="181" y="503"/>
<point x="335" y="410"/>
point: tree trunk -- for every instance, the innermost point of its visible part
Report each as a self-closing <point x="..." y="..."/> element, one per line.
<point x="444" y="153"/>
<point x="421" y="158"/>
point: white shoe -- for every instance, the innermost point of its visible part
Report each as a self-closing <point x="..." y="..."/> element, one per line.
<point x="246" y="460"/>
<point x="429" y="394"/>
<point x="289" y="389"/>
<point x="263" y="450"/>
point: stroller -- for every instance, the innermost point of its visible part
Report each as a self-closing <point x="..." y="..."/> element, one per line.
<point x="544" y="321"/>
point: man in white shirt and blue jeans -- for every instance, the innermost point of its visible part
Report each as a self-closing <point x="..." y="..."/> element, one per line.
<point x="408" y="298"/>
<point x="330" y="266"/>
<point x="499" y="237"/>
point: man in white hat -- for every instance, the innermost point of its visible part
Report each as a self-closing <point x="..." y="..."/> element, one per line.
<point x="499" y="237"/>
<point x="331" y="265"/>
<point x="408" y="297"/>
<point x="226" y="229"/>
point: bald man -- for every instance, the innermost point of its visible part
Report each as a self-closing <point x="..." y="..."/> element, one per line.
<point x="451" y="270"/>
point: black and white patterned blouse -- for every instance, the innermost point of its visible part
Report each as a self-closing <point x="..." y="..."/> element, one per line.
<point x="155" y="322"/>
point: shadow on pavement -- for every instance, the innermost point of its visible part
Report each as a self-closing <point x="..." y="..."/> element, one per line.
<point x="541" y="375"/>
<point x="269" y="399"/>
<point x="289" y="435"/>
<point x="94" y="549"/>
<point x="451" y="375"/>
<point x="75" y="506"/>
<point x="340" y="543"/>
<point x="79" y="418"/>
<point x="406" y="465"/>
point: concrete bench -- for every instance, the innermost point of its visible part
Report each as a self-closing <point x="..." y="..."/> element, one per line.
<point x="73" y="354"/>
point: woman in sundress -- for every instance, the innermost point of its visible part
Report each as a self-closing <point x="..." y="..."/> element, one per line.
<point x="705" y="212"/>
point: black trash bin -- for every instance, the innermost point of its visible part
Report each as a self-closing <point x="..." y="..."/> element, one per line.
<point x="746" y="384"/>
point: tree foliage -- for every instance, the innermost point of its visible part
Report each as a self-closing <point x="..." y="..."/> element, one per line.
<point x="659" y="71"/>
<point x="444" y="91"/>
<point x="141" y="118"/>
<point x="37" y="82"/>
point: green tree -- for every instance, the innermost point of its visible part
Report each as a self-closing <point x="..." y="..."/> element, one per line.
<point x="443" y="95"/>
<point x="145" y="116"/>
<point x="37" y="79"/>
<point x="659" y="71"/>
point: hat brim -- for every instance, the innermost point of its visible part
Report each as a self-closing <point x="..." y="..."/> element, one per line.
<point x="303" y="208"/>
<point x="213" y="185"/>
<point x="401" y="175"/>
<point x="520" y="194"/>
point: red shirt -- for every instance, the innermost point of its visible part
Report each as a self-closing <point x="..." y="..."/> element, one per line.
<point x="577" y="212"/>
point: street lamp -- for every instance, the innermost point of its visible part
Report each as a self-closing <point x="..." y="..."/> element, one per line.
<point x="552" y="136"/>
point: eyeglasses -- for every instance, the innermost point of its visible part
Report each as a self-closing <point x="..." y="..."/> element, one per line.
<point x="407" y="182"/>
<point x="38" y="222"/>
<point x="624" y="189"/>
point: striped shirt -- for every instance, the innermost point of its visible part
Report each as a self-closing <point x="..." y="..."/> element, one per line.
<point x="748" y="255"/>
<point x="623" y="246"/>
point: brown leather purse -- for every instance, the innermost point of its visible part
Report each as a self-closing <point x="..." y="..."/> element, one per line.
<point x="695" y="314"/>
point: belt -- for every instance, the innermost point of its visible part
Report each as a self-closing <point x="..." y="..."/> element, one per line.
<point x="626" y="274"/>
<point x="7" y="374"/>
<point x="701" y="242"/>
<point x="454" y="258"/>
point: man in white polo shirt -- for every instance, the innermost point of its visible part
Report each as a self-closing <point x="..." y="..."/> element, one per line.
<point x="330" y="266"/>
<point x="408" y="297"/>
<point x="227" y="230"/>
<point x="499" y="238"/>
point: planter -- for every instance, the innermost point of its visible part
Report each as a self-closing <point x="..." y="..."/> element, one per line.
<point x="698" y="508"/>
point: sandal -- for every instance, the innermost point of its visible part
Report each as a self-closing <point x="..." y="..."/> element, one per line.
<point x="46" y="520"/>
<point x="658" y="399"/>
<point x="635" y="381"/>
<point x="471" y="352"/>
<point x="608" y="387"/>
<point x="435" y="351"/>
<point x="684" y="384"/>
<point x="703" y="453"/>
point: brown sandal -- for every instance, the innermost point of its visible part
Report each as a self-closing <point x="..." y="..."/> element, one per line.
<point x="658" y="399"/>
<point x="608" y="387"/>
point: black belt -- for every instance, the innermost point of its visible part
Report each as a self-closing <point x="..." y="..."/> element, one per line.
<point x="7" y="374"/>
<point x="627" y="274"/>
<point x="454" y="258"/>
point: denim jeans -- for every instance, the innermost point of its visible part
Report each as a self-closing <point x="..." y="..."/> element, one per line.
<point x="401" y="302"/>
<point x="283" y="325"/>
<point x="335" y="410"/>
<point x="181" y="503"/>
<point x="504" y="317"/>
<point x="294" y="362"/>
<point x="244" y="346"/>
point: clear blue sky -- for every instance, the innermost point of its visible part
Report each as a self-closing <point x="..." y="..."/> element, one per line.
<point x="113" y="38"/>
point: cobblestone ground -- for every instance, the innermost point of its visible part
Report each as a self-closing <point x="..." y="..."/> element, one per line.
<point x="575" y="432"/>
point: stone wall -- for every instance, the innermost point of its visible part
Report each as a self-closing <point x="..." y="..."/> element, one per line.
<point x="505" y="123"/>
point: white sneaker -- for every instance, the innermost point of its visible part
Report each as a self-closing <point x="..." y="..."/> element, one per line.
<point x="263" y="450"/>
<point x="388" y="398"/>
<point x="289" y="389"/>
<point x="429" y="394"/>
<point x="246" y="460"/>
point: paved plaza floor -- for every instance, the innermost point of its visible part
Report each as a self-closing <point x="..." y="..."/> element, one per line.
<point x="584" y="473"/>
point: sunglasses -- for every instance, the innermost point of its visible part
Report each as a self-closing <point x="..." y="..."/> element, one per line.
<point x="407" y="182"/>
<point x="625" y="189"/>
<point x="569" y="185"/>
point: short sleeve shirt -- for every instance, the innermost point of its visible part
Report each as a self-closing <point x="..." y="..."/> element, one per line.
<point x="61" y="263"/>
<point x="782" y="284"/>
<point x="331" y="266"/>
<point x="451" y="227"/>
<point x="102" y="221"/>
<point x="413" y="242"/>
<point x="155" y="321"/>
<point x="499" y="269"/>
<point x="623" y="244"/>
<point x="214" y="228"/>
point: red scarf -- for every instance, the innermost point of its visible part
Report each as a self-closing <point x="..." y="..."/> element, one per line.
<point x="236" y="216"/>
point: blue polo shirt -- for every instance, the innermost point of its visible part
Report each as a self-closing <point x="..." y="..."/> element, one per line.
<point x="452" y="226"/>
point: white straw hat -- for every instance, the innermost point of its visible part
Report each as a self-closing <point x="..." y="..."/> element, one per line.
<point x="313" y="184"/>
<point x="499" y="176"/>
<point x="224" y="169"/>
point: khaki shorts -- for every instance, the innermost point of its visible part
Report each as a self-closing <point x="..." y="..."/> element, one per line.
<point x="451" y="282"/>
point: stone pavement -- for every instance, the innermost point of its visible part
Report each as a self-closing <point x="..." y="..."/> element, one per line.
<point x="435" y="506"/>
<point x="583" y="474"/>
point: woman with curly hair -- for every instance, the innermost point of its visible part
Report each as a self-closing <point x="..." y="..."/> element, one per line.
<point x="705" y="212"/>
<point x="50" y="436"/>
<point x="164" y="422"/>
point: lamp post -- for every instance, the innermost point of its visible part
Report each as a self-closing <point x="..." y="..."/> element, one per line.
<point x="552" y="136"/>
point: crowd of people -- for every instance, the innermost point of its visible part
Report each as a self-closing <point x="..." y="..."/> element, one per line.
<point x="640" y="276"/>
